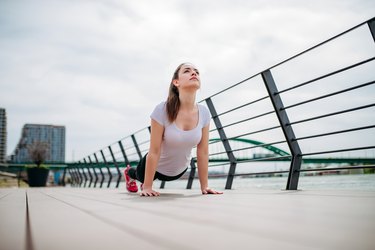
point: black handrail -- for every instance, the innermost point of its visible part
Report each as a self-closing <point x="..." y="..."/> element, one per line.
<point x="227" y="132"/>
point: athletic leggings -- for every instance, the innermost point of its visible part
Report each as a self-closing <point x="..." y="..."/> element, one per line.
<point x="138" y="173"/>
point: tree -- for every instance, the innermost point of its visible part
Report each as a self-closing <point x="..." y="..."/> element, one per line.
<point x="38" y="152"/>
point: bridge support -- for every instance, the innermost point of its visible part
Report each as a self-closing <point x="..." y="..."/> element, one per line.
<point x="287" y="129"/>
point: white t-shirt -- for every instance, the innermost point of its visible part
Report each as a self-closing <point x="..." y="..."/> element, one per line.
<point x="177" y="144"/>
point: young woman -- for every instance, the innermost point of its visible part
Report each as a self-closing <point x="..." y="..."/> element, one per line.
<point x="177" y="125"/>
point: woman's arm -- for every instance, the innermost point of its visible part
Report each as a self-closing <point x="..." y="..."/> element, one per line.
<point x="152" y="159"/>
<point x="202" y="160"/>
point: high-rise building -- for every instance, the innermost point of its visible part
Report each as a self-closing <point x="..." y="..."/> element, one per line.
<point x="53" y="135"/>
<point x="3" y="135"/>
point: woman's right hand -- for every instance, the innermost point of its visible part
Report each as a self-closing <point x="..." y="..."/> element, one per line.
<point x="149" y="192"/>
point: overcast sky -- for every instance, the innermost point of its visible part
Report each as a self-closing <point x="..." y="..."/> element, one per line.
<point x="100" y="67"/>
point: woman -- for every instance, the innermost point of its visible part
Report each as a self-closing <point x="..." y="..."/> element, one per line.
<point x="177" y="125"/>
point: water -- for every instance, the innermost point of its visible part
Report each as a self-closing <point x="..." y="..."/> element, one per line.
<point x="326" y="182"/>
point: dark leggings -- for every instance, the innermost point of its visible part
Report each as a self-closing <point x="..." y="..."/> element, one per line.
<point x="138" y="173"/>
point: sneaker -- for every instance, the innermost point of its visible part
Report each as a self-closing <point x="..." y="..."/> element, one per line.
<point x="131" y="184"/>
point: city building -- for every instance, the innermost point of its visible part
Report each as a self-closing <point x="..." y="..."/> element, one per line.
<point x="3" y="135"/>
<point x="53" y="135"/>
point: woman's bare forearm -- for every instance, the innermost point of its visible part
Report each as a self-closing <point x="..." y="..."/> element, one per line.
<point x="151" y="163"/>
<point x="202" y="160"/>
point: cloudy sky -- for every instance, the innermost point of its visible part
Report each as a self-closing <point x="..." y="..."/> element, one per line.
<point x="100" y="67"/>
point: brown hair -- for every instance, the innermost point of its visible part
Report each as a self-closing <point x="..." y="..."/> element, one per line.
<point x="173" y="101"/>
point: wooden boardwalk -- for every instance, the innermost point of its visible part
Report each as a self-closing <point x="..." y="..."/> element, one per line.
<point x="78" y="218"/>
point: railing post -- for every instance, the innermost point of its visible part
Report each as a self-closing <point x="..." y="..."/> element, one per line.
<point x="224" y="139"/>
<point x="371" y="25"/>
<point x="287" y="129"/>
<point x="100" y="169"/>
<point x="162" y="184"/>
<point x="88" y="169"/>
<point x="78" y="175"/>
<point x="80" y="179"/>
<point x="109" y="171"/>
<point x="115" y="162"/>
<point x="124" y="154"/>
<point x="93" y="169"/>
<point x="83" y="173"/>
<point x="63" y="177"/>
<point x="72" y="177"/>
<point x="136" y="147"/>
<point x="192" y="174"/>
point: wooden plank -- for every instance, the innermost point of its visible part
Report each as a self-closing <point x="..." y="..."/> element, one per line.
<point x="78" y="218"/>
<point x="12" y="219"/>
<point x="276" y="219"/>
<point x="56" y="225"/>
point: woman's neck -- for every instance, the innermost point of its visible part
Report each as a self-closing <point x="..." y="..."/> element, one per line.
<point x="187" y="101"/>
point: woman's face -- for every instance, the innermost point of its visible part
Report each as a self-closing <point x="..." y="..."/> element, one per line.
<point x="188" y="77"/>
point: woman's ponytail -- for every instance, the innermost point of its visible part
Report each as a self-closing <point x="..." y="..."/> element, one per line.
<point x="173" y="101"/>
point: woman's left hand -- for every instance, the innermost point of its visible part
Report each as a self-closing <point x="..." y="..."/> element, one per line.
<point x="210" y="191"/>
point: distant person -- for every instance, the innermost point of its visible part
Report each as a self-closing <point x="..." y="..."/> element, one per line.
<point x="177" y="125"/>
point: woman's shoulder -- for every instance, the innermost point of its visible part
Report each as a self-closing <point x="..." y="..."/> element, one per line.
<point x="203" y="108"/>
<point x="159" y="113"/>
<point x="161" y="106"/>
<point x="204" y="114"/>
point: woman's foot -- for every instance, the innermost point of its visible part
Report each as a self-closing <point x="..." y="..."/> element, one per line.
<point x="131" y="184"/>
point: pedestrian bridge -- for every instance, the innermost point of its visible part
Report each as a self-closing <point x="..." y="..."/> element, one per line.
<point x="318" y="104"/>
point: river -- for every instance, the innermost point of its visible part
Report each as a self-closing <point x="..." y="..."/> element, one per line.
<point x="325" y="182"/>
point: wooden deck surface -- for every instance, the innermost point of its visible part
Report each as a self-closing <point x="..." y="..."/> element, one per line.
<point x="79" y="218"/>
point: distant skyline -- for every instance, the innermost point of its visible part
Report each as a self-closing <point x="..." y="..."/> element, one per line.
<point x="42" y="134"/>
<point x="99" y="67"/>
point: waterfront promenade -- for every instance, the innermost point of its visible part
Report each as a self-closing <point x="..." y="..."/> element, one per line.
<point x="76" y="218"/>
<point x="250" y="125"/>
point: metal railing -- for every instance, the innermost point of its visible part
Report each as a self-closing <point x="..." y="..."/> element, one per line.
<point x="308" y="109"/>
